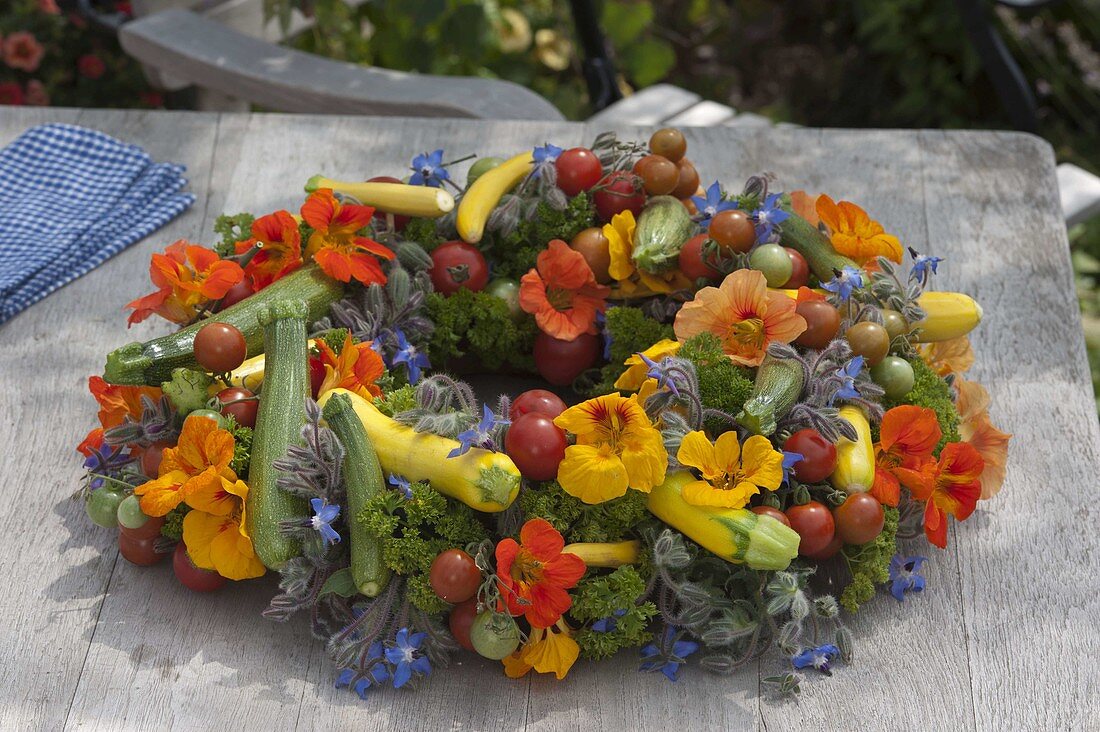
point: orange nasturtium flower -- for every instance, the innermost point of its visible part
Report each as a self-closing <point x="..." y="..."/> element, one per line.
<point x="533" y="574"/>
<point x="907" y="438"/>
<point x="562" y="293"/>
<point x="745" y="316"/>
<point x="546" y="651"/>
<point x="335" y="243"/>
<point x="732" y="473"/>
<point x="116" y="403"/>
<point x="950" y="486"/>
<point x="198" y="464"/>
<point x="617" y="448"/>
<point x="855" y="234"/>
<point x="186" y="275"/>
<point x="805" y="205"/>
<point x="355" y="369"/>
<point x="976" y="429"/>
<point x="219" y="541"/>
<point x="280" y="248"/>
<point x="954" y="356"/>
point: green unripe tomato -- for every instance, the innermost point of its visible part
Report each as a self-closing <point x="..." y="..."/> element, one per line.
<point x="895" y="324"/>
<point x="209" y="414"/>
<point x="895" y="375"/>
<point x="130" y="514"/>
<point x="508" y="291"/>
<point x="774" y="262"/>
<point x="102" y="507"/>
<point x="480" y="167"/>
<point x="494" y="635"/>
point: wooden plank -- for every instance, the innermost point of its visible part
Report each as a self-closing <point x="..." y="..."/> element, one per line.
<point x="1029" y="595"/>
<point x="1079" y="191"/>
<point x="704" y="114"/>
<point x="646" y="107"/>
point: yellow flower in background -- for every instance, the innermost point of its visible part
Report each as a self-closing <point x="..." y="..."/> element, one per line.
<point x="546" y="651"/>
<point x="513" y="31"/>
<point x="732" y="473"/>
<point x="620" y="237"/>
<point x="635" y="374"/>
<point x="855" y="234"/>
<point x="552" y="49"/>
<point x="617" y="448"/>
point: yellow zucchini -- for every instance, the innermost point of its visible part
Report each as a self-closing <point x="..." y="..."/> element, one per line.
<point x="482" y="197"/>
<point x="483" y="480"/>
<point x="609" y="554"/>
<point x="394" y="198"/>
<point x="250" y="374"/>
<point x="855" y="461"/>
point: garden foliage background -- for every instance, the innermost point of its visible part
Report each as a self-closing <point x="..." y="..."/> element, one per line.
<point x="860" y="63"/>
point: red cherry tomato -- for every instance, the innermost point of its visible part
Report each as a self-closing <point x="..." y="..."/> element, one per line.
<point x="620" y="191"/>
<point x="822" y="324"/>
<point x="818" y="455"/>
<point x="559" y="362"/>
<point x="814" y="524"/>
<point x="454" y="576"/>
<point x="456" y="264"/>
<point x="539" y="401"/>
<point x="237" y="292"/>
<point x="244" y="405"/>
<point x="138" y="551"/>
<point x="536" y="445"/>
<point x="380" y="216"/>
<point x="220" y="347"/>
<point x="859" y="519"/>
<point x="578" y="170"/>
<point x="828" y="552"/>
<point x="692" y="263"/>
<point x="192" y="577"/>
<point x="462" y="617"/>
<point x="800" y="270"/>
<point x="775" y="513"/>
<point x="151" y="457"/>
<point x="148" y="530"/>
<point x="316" y="375"/>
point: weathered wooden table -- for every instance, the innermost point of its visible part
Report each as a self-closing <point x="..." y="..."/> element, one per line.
<point x="1006" y="636"/>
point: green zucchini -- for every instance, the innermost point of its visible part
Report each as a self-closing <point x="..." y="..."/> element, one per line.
<point x="777" y="387"/>
<point x="663" y="228"/>
<point x="363" y="478"/>
<point x="806" y="239"/>
<point x="282" y="413"/>
<point x="152" y="362"/>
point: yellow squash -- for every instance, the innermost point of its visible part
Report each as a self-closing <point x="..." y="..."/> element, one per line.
<point x="483" y="480"/>
<point x="735" y="534"/>
<point x="250" y="374"/>
<point x="609" y="554"/>
<point x="394" y="198"/>
<point x="855" y="461"/>
<point x="485" y="193"/>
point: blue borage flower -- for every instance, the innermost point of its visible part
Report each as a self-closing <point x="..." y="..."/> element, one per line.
<point x="608" y="624"/>
<point x="669" y="654"/>
<point x="546" y="153"/>
<point x="768" y="216"/>
<point x="428" y="170"/>
<point x="664" y="371"/>
<point x="479" y="436"/>
<point x="104" y="462"/>
<point x="324" y="513"/>
<point x="820" y="658"/>
<point x="712" y="204"/>
<point x="406" y="657"/>
<point x="410" y="356"/>
<point x="601" y="323"/>
<point x="789" y="461"/>
<point x="848" y="374"/>
<point x="923" y="266"/>
<point x="401" y="484"/>
<point x="905" y="575"/>
<point x="844" y="282"/>
<point x="375" y="675"/>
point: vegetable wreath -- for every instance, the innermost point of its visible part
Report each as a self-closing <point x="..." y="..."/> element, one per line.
<point x="758" y="386"/>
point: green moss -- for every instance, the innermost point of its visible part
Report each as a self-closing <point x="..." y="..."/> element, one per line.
<point x="578" y="521"/>
<point x="931" y="391"/>
<point x="482" y="325"/>
<point x="173" y="522"/>
<point x="423" y="232"/>
<point x="414" y="531"/>
<point x="616" y="596"/>
<point x="515" y="254"/>
<point x="869" y="563"/>
<point x="335" y="339"/>
<point x="722" y="384"/>
<point x="631" y="331"/>
<point x="397" y="400"/>
<point x="242" y="447"/>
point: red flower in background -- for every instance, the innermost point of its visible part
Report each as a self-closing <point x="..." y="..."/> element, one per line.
<point x="37" y="96"/>
<point x="280" y="248"/>
<point x="11" y="93"/>
<point x="49" y="7"/>
<point x="91" y="66"/>
<point x="335" y="243"/>
<point x="22" y="51"/>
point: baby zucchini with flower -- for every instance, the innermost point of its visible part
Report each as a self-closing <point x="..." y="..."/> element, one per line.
<point x="485" y="193"/>
<point x="395" y="198"/>
<point x="483" y="480"/>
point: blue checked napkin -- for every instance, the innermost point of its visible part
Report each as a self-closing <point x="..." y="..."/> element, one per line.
<point x="71" y="198"/>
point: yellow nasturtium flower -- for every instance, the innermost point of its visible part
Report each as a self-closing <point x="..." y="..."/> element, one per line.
<point x="732" y="473"/>
<point x="617" y="448"/>
<point x="547" y="651"/>
<point x="635" y="374"/>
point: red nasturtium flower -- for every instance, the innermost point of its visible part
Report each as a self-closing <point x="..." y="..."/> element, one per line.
<point x="953" y="486"/>
<point x="23" y="51"/>
<point x="186" y="275"/>
<point x="355" y="369"/>
<point x="116" y="403"/>
<point x="335" y="243"/>
<point x="907" y="438"/>
<point x="562" y="293"/>
<point x="534" y="574"/>
<point x="280" y="248"/>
